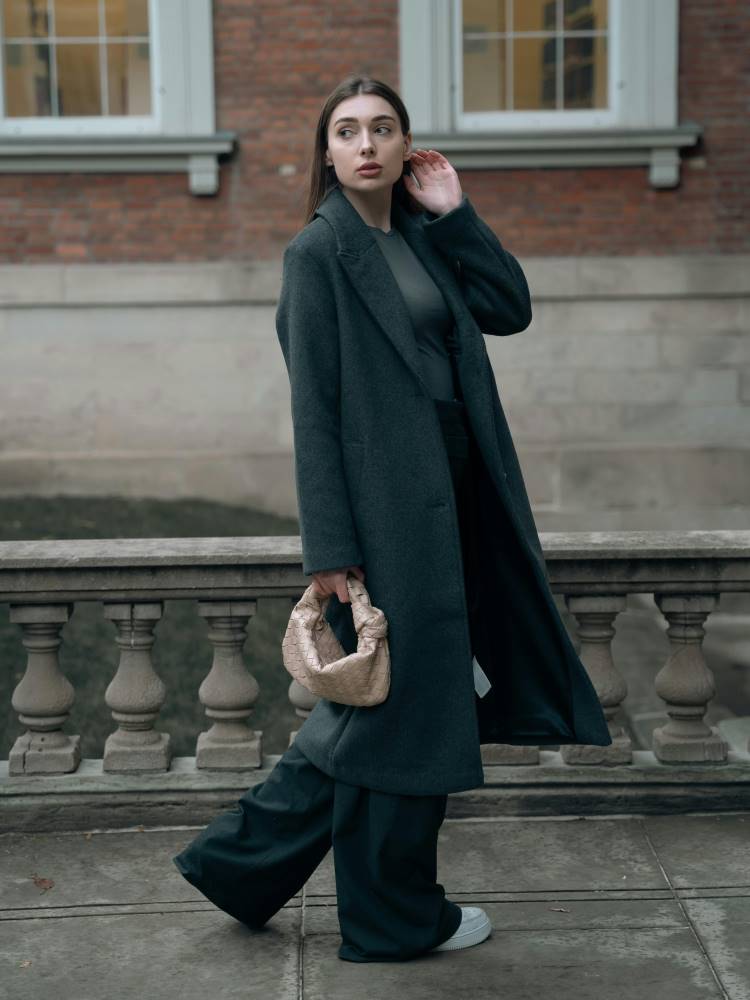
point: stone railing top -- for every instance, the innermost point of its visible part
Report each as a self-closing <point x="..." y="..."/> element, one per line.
<point x="286" y="549"/>
<point x="125" y="552"/>
<point x="645" y="544"/>
<point x="235" y="567"/>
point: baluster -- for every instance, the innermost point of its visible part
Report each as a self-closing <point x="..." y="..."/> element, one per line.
<point x="44" y="696"/>
<point x="136" y="692"/>
<point x="229" y="691"/>
<point x="686" y="683"/>
<point x="595" y="615"/>
<point x="304" y="702"/>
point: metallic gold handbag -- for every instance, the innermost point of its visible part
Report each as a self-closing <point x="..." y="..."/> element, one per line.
<point x="315" y="658"/>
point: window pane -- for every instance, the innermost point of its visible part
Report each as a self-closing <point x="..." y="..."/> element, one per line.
<point x="484" y="74"/>
<point x="534" y="62"/>
<point x="25" y="18"/>
<point x="534" y="15"/>
<point x="585" y="72"/>
<point x="484" y="15"/>
<point x="27" y="80"/>
<point x="129" y="78"/>
<point x="585" y="15"/>
<point x="126" y="18"/>
<point x="78" y="87"/>
<point x="76" y="18"/>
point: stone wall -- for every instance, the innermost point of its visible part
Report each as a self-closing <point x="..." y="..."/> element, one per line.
<point x="628" y="396"/>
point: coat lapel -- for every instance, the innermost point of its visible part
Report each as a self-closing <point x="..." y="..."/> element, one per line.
<point x="371" y="277"/>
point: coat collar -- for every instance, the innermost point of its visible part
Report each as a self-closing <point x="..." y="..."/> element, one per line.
<point x="353" y="235"/>
<point x="371" y="276"/>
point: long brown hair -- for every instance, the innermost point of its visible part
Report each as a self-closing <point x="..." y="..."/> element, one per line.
<point x="322" y="177"/>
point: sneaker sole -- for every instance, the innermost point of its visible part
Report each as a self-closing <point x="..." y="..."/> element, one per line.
<point x="466" y="940"/>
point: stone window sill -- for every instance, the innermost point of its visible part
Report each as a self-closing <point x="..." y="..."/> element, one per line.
<point x="195" y="155"/>
<point x="657" y="148"/>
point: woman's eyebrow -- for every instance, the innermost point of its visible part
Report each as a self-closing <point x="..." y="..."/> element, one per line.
<point x="375" y="118"/>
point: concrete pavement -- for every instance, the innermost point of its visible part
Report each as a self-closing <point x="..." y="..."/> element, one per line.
<point x="607" y="908"/>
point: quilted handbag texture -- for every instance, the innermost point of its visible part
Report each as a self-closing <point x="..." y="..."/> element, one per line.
<point x="315" y="658"/>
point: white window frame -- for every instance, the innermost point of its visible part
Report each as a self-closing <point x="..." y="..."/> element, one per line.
<point x="639" y="127"/>
<point x="180" y="133"/>
<point x="478" y="121"/>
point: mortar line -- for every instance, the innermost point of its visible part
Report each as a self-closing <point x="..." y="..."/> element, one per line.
<point x="699" y="941"/>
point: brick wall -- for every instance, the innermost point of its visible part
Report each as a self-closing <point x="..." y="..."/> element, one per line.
<point x="276" y="61"/>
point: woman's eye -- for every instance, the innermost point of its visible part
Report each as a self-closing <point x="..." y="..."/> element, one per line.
<point x="386" y="127"/>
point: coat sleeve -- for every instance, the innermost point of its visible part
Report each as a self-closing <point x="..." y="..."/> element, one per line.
<point x="492" y="281"/>
<point x="307" y="328"/>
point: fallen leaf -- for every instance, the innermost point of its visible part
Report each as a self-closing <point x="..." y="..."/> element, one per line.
<point x="25" y="964"/>
<point x="42" y="883"/>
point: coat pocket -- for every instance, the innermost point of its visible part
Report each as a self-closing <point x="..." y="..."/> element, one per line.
<point x="354" y="463"/>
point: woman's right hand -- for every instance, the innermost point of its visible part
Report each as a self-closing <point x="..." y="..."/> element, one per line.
<point x="333" y="581"/>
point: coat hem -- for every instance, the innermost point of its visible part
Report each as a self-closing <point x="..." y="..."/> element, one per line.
<point x="362" y="777"/>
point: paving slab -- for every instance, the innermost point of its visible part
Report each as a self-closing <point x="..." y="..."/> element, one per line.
<point x="521" y="855"/>
<point x="621" y="907"/>
<point x="723" y="925"/>
<point x="702" y="850"/>
<point x="589" y="963"/>
<point x="101" y="868"/>
<point x="162" y="956"/>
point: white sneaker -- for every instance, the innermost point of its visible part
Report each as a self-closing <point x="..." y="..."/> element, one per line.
<point x="475" y="926"/>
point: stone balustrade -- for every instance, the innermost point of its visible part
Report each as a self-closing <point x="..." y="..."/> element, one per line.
<point x="42" y="581"/>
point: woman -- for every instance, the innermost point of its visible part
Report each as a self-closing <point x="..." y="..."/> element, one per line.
<point x="404" y="468"/>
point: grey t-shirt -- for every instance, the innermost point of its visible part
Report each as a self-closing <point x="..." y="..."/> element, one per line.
<point x="431" y="318"/>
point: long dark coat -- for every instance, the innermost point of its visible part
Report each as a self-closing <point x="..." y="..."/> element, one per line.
<point x="374" y="489"/>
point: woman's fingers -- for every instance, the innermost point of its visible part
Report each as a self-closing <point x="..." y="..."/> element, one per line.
<point x="429" y="163"/>
<point x="334" y="582"/>
<point x="424" y="159"/>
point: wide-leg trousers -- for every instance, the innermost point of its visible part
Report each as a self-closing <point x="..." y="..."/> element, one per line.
<point x="251" y="860"/>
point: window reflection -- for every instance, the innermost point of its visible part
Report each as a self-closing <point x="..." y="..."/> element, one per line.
<point x="128" y="79"/>
<point x="484" y="75"/>
<point x="27" y="80"/>
<point x="76" y="18"/>
<point x="75" y="58"/>
<point x="535" y="55"/>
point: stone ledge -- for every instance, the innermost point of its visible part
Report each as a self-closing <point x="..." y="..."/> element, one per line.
<point x="197" y="155"/>
<point x="89" y="798"/>
<point x="257" y="282"/>
<point x="656" y="147"/>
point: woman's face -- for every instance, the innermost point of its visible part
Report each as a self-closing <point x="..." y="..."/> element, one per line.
<point x="361" y="129"/>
